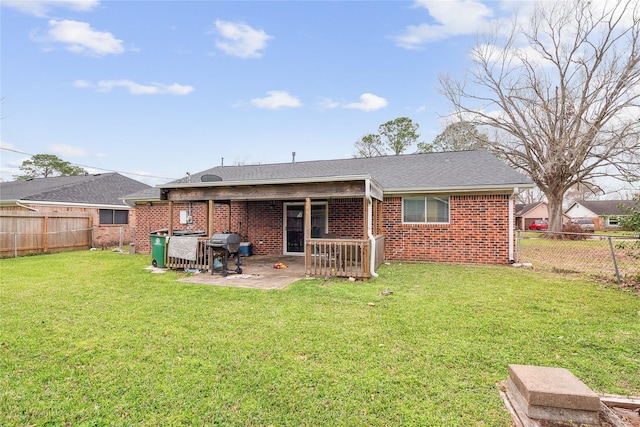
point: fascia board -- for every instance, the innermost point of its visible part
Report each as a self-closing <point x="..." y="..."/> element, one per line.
<point x="274" y="181"/>
<point x="70" y="204"/>
<point x="507" y="188"/>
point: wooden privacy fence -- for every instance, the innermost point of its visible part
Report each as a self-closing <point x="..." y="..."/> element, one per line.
<point x="24" y="233"/>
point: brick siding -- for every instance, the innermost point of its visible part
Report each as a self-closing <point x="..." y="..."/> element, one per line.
<point x="477" y="232"/>
<point x="149" y="218"/>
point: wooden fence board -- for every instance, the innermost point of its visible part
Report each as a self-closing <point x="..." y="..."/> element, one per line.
<point x="23" y="233"/>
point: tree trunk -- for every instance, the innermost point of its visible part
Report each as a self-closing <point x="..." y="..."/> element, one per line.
<point x="554" y="204"/>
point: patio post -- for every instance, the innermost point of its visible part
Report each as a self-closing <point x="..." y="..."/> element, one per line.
<point x="307" y="233"/>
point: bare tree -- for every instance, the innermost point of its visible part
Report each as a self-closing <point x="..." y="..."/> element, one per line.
<point x="563" y="105"/>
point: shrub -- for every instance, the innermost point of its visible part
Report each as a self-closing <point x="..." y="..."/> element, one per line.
<point x="572" y="231"/>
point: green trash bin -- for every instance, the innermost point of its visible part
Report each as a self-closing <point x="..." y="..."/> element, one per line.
<point x="158" y="245"/>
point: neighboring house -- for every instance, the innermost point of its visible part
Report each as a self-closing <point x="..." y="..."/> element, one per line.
<point x="530" y="212"/>
<point x="98" y="197"/>
<point x="604" y="213"/>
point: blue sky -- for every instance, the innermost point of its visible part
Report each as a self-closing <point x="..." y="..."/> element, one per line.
<point x="161" y="88"/>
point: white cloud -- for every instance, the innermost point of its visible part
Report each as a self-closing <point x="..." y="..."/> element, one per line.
<point x="452" y="18"/>
<point x="81" y="38"/>
<point x="240" y="39"/>
<point x="66" y="151"/>
<point x="276" y="99"/>
<point x="497" y="54"/>
<point x="136" y="88"/>
<point x="368" y="102"/>
<point x="327" y="104"/>
<point x="41" y="8"/>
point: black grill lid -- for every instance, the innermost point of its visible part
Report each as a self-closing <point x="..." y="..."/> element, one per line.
<point x="228" y="241"/>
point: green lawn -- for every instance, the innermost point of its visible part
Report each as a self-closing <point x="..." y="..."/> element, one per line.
<point x="91" y="338"/>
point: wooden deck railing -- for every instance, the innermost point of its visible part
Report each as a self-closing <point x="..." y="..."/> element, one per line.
<point x="202" y="257"/>
<point x="342" y="257"/>
<point x="325" y="257"/>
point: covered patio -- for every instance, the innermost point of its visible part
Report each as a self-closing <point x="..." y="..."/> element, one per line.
<point x="332" y="224"/>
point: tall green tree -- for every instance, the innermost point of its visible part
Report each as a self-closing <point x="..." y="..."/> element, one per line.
<point x="370" y="145"/>
<point x="631" y="219"/>
<point x="399" y="134"/>
<point x="458" y="136"/>
<point x="47" y="165"/>
<point x="559" y="91"/>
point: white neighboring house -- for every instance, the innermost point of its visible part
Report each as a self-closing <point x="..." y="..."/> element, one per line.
<point x="604" y="213"/>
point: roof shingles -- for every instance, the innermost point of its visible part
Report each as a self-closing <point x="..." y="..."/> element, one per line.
<point x="100" y="189"/>
<point x="458" y="169"/>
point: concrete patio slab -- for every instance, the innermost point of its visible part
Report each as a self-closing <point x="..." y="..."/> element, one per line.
<point x="258" y="272"/>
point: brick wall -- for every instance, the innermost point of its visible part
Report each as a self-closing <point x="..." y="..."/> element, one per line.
<point x="265" y="227"/>
<point x="346" y="218"/>
<point x="148" y="219"/>
<point x="477" y="232"/>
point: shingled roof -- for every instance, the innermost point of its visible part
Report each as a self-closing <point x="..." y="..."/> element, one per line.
<point x="429" y="171"/>
<point x="99" y="189"/>
<point x="606" y="207"/>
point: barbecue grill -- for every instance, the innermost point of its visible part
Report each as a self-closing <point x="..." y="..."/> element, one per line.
<point x="224" y="245"/>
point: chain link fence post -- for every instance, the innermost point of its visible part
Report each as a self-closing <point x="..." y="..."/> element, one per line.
<point x="613" y="256"/>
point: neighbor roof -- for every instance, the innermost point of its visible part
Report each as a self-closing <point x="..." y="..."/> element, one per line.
<point x="522" y="209"/>
<point x="99" y="189"/>
<point x="411" y="172"/>
<point x="606" y="207"/>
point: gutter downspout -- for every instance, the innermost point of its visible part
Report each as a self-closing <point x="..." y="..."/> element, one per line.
<point x="372" y="239"/>
<point x="511" y="224"/>
<point x="26" y="207"/>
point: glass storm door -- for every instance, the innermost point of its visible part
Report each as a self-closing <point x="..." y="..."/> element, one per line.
<point x="294" y="226"/>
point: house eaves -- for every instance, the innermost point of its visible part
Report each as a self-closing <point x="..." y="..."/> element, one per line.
<point x="32" y="203"/>
<point x="273" y="181"/>
<point x="307" y="180"/>
<point x="505" y="188"/>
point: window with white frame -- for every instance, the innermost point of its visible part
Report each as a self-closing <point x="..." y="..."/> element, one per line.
<point x="429" y="209"/>
<point x="612" y="221"/>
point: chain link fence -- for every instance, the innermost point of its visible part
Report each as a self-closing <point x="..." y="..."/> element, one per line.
<point x="608" y="257"/>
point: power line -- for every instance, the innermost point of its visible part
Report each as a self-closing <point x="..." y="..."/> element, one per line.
<point x="94" y="167"/>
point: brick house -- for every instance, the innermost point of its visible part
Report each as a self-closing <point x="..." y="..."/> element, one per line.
<point x="97" y="197"/>
<point x="455" y="207"/>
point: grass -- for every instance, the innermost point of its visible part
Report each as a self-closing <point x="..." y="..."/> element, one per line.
<point x="91" y="338"/>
